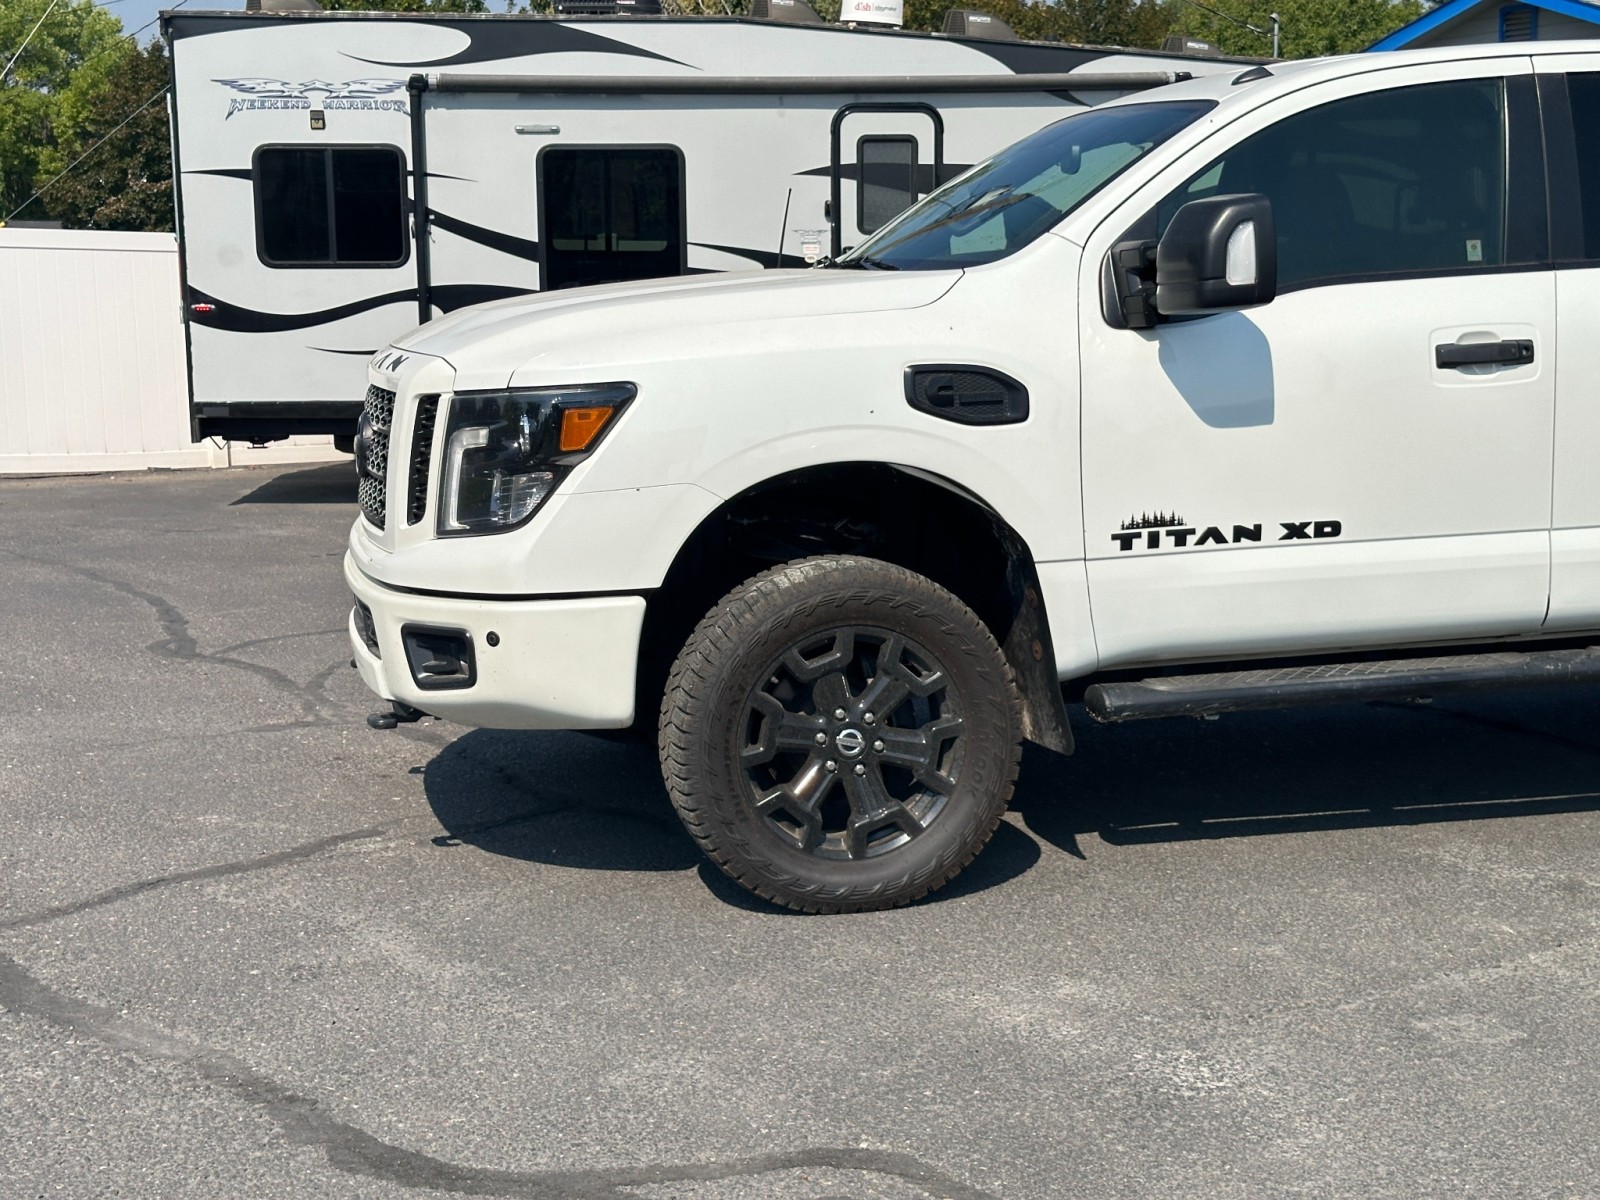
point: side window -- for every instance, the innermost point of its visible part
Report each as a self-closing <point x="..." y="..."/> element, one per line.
<point x="330" y="206"/>
<point x="1402" y="181"/>
<point x="1584" y="94"/>
<point x="610" y="214"/>
<point x="888" y="181"/>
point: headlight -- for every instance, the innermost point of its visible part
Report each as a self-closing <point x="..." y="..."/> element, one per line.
<point x="505" y="452"/>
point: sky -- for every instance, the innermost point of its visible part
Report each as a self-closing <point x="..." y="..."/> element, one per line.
<point x="134" y="13"/>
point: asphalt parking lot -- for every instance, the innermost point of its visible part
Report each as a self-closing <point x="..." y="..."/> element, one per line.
<point x="250" y="947"/>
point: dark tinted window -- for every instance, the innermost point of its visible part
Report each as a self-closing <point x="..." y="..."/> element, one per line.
<point x="325" y="206"/>
<point x="611" y="214"/>
<point x="1585" y="93"/>
<point x="1408" y="180"/>
<point x="888" y="181"/>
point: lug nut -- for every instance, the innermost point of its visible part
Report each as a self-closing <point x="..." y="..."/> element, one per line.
<point x="867" y="718"/>
<point x="839" y="714"/>
<point x="822" y="739"/>
<point x="860" y="770"/>
<point x="878" y="746"/>
<point x="830" y="765"/>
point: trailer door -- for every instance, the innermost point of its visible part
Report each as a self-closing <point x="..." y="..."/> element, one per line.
<point x="886" y="157"/>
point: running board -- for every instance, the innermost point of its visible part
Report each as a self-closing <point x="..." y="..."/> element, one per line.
<point x="1338" y="683"/>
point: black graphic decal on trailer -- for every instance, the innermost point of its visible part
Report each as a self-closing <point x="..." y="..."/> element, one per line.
<point x="506" y="243"/>
<point x="235" y="318"/>
<point x="493" y="41"/>
<point x="768" y="259"/>
<point x="246" y="174"/>
<point x="1024" y="58"/>
<point x="850" y="172"/>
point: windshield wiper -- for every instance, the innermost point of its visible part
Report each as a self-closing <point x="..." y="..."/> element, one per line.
<point x="867" y="263"/>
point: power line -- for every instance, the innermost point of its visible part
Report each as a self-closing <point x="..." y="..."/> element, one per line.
<point x="161" y="91"/>
<point x="68" y="168"/>
<point x="147" y="24"/>
<point x="28" y="39"/>
<point x="1273" y="34"/>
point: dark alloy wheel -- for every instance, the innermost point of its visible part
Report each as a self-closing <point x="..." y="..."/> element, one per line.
<point x="840" y="734"/>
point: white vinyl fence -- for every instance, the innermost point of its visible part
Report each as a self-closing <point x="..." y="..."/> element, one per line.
<point x="91" y="352"/>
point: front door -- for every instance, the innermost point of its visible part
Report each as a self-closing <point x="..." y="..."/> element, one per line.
<point x="1332" y="469"/>
<point x="1570" y="88"/>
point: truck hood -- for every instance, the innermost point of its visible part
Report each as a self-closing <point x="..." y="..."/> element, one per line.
<point x="548" y="329"/>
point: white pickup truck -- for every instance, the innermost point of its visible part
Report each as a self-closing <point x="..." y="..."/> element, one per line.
<point x="1290" y="373"/>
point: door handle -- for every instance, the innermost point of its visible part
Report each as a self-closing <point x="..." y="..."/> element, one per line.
<point x="1458" y="354"/>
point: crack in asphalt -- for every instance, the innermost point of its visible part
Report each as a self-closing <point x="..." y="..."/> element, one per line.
<point x="282" y="637"/>
<point x="354" y="1151"/>
<point x="179" y="643"/>
<point x="221" y="870"/>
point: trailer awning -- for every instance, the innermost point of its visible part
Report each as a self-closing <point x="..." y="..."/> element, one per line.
<point x="807" y="85"/>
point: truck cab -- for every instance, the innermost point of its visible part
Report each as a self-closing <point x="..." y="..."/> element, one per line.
<point x="1239" y="392"/>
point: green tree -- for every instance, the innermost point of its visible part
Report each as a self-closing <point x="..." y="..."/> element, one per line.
<point x="123" y="173"/>
<point x="1309" y="27"/>
<point x="47" y="95"/>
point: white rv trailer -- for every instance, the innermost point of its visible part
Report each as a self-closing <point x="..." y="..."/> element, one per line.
<point x="343" y="176"/>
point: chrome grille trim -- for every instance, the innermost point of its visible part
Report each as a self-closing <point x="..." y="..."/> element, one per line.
<point x="372" y="455"/>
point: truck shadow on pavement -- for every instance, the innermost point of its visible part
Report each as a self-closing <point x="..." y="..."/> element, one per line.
<point x="575" y="800"/>
<point x="579" y="801"/>
<point x="1297" y="771"/>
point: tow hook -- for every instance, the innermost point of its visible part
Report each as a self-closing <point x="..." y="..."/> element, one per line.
<point x="398" y="712"/>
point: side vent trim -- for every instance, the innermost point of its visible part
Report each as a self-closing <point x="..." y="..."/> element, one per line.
<point x="966" y="394"/>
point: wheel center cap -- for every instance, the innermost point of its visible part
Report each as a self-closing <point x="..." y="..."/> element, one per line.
<point x="851" y="742"/>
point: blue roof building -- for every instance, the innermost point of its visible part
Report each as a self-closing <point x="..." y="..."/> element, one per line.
<point x="1467" y="22"/>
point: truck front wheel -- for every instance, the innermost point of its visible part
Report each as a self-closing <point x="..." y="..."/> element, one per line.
<point x="840" y="734"/>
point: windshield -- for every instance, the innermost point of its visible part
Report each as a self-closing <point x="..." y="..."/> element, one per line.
<point x="1007" y="201"/>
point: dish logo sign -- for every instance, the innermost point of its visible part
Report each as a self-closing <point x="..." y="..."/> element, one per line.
<point x="876" y="12"/>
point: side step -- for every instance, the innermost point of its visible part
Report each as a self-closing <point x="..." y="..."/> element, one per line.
<point x="1338" y="683"/>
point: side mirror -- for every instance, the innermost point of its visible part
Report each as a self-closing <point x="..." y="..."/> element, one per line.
<point x="1218" y="253"/>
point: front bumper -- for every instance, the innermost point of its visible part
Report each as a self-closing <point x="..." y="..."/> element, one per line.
<point x="555" y="664"/>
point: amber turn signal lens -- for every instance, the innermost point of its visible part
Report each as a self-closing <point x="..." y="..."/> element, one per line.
<point x="580" y="426"/>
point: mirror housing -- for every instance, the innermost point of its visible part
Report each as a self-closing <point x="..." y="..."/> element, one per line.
<point x="1217" y="254"/>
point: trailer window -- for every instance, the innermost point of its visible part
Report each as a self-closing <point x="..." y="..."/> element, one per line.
<point x="610" y="213"/>
<point x="321" y="206"/>
<point x="887" y="185"/>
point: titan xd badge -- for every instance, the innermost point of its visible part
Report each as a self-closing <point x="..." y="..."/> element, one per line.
<point x="1166" y="531"/>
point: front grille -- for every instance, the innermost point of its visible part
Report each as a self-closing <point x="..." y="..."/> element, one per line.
<point x="421" y="458"/>
<point x="367" y="628"/>
<point x="372" y="454"/>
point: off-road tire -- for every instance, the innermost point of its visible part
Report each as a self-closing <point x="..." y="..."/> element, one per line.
<point x="895" y="623"/>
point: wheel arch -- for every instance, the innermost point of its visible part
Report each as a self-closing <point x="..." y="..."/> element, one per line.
<point x="915" y="518"/>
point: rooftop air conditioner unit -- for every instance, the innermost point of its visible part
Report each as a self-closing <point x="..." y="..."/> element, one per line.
<point x="608" y="8"/>
<point x="970" y="22"/>
<point x="1194" y="47"/>
<point x="792" y="12"/>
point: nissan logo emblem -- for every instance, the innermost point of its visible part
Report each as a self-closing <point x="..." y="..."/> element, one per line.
<point x="851" y="742"/>
<point x="363" y="440"/>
